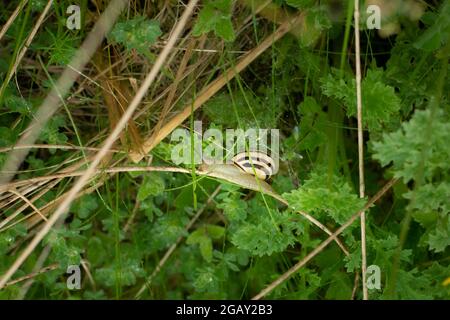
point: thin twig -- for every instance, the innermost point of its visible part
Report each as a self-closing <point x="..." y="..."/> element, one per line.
<point x="12" y="18"/>
<point x="53" y="100"/>
<point x="19" y="183"/>
<point x="324" y="229"/>
<point x="62" y="208"/>
<point x="25" y="205"/>
<point x="360" y="151"/>
<point x="49" y="206"/>
<point x="322" y="246"/>
<point x="215" y="86"/>
<point x="33" y="274"/>
<point x="36" y="269"/>
<point x="55" y="146"/>
<point x="29" y="203"/>
<point x="38" y="265"/>
<point x="355" y="285"/>
<point x="316" y="223"/>
<point x="173" y="89"/>
<point x="130" y="220"/>
<point x="169" y="252"/>
<point x="162" y="169"/>
<point x="26" y="45"/>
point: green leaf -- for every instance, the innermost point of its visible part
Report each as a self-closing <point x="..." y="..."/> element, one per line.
<point x="7" y="137"/>
<point x="59" y="46"/>
<point x="18" y="104"/>
<point x="206" y="279"/>
<point x="411" y="285"/>
<point x="215" y="16"/>
<point x="206" y="248"/>
<point x="215" y="232"/>
<point x="272" y="232"/>
<point x="437" y="35"/>
<point x="224" y="29"/>
<point x="196" y="236"/>
<point x="96" y="251"/>
<point x="241" y="109"/>
<point x="150" y="209"/>
<point x="85" y="206"/>
<point x="164" y="232"/>
<point x="317" y="20"/>
<point x="415" y="142"/>
<point x="413" y="89"/>
<point x="63" y="252"/>
<point x="51" y="131"/>
<point x="431" y="197"/>
<point x="318" y="195"/>
<point x="12" y="234"/>
<point x="38" y="5"/>
<point x="439" y="238"/>
<point x="95" y="295"/>
<point x="138" y="33"/>
<point x="234" y="208"/>
<point x="300" y="4"/>
<point x="353" y="261"/>
<point x="202" y="236"/>
<point x="152" y="185"/>
<point x="380" y="103"/>
<point x="313" y="125"/>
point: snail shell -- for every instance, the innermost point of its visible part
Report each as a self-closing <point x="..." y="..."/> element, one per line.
<point x="255" y="163"/>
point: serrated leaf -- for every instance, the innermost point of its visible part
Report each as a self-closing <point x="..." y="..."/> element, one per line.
<point x="439" y="238"/>
<point x="272" y="232"/>
<point x="215" y="16"/>
<point x="18" y="104"/>
<point x="417" y="141"/>
<point x="51" y="131"/>
<point x="353" y="261"/>
<point x="318" y="195"/>
<point x="380" y="103"/>
<point x="233" y="208"/>
<point x="152" y="185"/>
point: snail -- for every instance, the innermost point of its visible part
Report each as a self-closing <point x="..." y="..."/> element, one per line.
<point x="255" y="163"/>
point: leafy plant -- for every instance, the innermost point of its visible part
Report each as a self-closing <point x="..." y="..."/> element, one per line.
<point x="138" y="33"/>
<point x="216" y="16"/>
<point x="137" y="230"/>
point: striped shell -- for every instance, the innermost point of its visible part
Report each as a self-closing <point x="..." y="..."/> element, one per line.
<point x="255" y="163"/>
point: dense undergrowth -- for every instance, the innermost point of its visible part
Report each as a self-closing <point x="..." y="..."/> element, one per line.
<point x="122" y="225"/>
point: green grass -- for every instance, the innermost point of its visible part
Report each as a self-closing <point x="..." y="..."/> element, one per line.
<point x="303" y="85"/>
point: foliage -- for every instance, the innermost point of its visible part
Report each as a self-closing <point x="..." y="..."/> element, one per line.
<point x="138" y="33"/>
<point x="424" y="139"/>
<point x="380" y="102"/>
<point x="215" y="16"/>
<point x="166" y="232"/>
